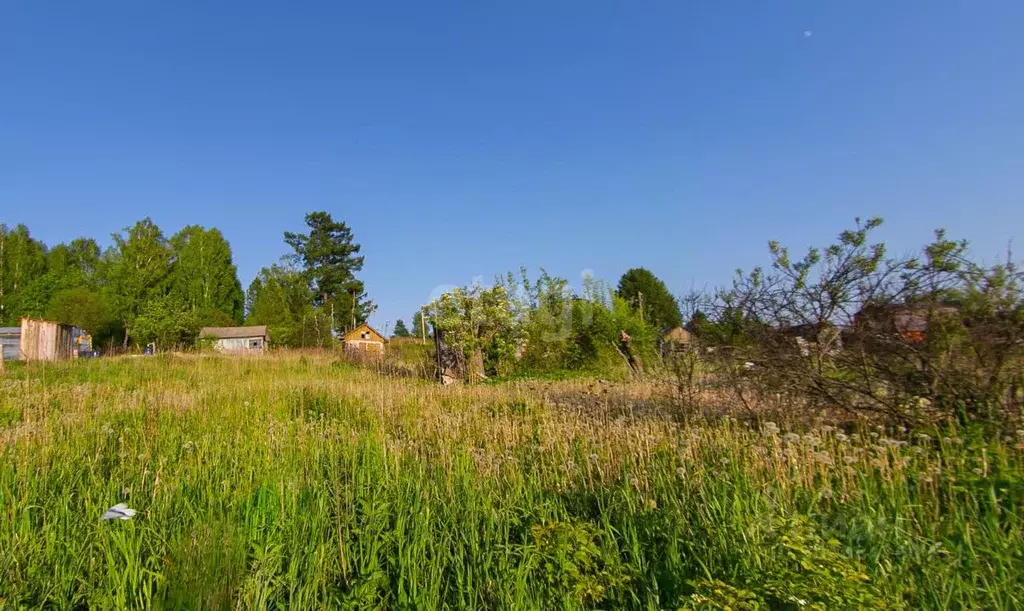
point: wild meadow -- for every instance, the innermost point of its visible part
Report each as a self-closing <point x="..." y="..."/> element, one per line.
<point x="299" y="481"/>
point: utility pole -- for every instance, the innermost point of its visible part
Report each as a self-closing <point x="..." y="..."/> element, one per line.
<point x="640" y="297"/>
<point x="423" y="325"/>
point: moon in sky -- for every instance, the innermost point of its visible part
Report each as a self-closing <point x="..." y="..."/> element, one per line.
<point x="807" y="33"/>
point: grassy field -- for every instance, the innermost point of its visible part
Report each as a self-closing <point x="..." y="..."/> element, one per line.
<point x="297" y="481"/>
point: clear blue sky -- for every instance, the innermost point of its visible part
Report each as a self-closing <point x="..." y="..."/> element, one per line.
<point x="468" y="139"/>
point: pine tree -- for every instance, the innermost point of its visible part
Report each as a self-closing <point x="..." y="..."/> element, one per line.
<point x="400" y="329"/>
<point x="330" y="259"/>
<point x="646" y="292"/>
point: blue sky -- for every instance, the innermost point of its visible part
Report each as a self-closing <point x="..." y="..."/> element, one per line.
<point x="463" y="140"/>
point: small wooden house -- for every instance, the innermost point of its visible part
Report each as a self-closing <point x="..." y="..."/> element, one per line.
<point x="676" y="340"/>
<point x="364" y="339"/>
<point x="239" y="340"/>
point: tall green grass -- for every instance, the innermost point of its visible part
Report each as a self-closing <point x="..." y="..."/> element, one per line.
<point x="298" y="482"/>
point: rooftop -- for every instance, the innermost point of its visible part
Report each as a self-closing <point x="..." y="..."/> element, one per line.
<point x="234" y="332"/>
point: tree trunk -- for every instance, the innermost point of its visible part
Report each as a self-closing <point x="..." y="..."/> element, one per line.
<point x="476" y="365"/>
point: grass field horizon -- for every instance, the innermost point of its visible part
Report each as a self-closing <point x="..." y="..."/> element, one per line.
<point x="300" y="481"/>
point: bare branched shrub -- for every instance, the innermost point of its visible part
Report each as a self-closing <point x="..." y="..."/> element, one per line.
<point x="912" y="339"/>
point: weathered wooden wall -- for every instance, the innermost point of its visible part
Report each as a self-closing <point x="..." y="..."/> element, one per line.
<point x="43" y="340"/>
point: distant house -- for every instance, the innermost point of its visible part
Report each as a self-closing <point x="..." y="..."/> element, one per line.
<point x="364" y="338"/>
<point x="910" y="323"/>
<point x="676" y="340"/>
<point x="237" y="339"/>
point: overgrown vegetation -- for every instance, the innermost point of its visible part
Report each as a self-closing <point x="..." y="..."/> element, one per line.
<point x="915" y="340"/>
<point x="521" y="326"/>
<point x="839" y="431"/>
<point x="846" y="332"/>
<point x="295" y="481"/>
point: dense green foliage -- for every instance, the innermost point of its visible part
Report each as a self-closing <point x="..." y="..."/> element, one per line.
<point x="297" y="482"/>
<point x="648" y="293"/>
<point x="144" y="288"/>
<point x="280" y="297"/>
<point x="540" y="326"/>
<point x="22" y="264"/>
<point x="204" y="276"/>
<point x="418" y="326"/>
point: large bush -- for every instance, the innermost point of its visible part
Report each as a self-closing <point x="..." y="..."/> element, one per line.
<point x="913" y="339"/>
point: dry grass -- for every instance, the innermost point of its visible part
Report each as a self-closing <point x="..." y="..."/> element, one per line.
<point x="299" y="480"/>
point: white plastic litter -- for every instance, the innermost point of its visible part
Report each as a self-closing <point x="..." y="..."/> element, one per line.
<point x="120" y="511"/>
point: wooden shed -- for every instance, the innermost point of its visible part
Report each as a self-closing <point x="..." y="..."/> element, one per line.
<point x="43" y="340"/>
<point x="364" y="338"/>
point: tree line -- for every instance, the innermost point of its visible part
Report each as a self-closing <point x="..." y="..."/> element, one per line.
<point x="147" y="288"/>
